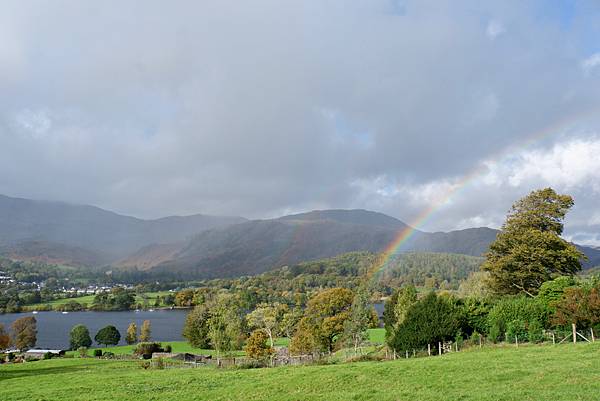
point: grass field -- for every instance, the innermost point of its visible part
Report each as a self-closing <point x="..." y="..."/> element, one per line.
<point x="546" y="372"/>
<point x="88" y="299"/>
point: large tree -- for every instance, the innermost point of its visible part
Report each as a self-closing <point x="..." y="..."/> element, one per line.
<point x="24" y="332"/>
<point x="361" y="318"/>
<point x="325" y="316"/>
<point x="196" y="327"/>
<point x="80" y="337"/>
<point x="108" y="335"/>
<point x="529" y="249"/>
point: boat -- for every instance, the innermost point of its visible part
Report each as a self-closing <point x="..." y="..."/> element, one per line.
<point x="150" y="310"/>
<point x="35" y="312"/>
<point x="65" y="312"/>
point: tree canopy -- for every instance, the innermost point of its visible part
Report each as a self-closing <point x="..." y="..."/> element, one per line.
<point x="108" y="335"/>
<point x="80" y="337"/>
<point x="529" y="251"/>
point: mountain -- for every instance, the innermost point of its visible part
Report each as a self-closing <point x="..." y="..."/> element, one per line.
<point x="260" y="245"/>
<point x="31" y="228"/>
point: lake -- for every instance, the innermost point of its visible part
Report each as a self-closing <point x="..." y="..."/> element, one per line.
<point x="54" y="327"/>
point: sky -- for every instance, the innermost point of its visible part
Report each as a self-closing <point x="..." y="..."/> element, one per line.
<point x="263" y="108"/>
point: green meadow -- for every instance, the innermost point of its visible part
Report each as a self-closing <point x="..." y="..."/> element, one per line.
<point x="535" y="372"/>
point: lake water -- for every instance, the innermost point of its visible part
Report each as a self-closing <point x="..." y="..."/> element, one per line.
<point x="54" y="327"/>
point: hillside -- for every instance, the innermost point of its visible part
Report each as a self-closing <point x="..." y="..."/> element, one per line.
<point x="539" y="372"/>
<point x="103" y="236"/>
<point x="260" y="245"/>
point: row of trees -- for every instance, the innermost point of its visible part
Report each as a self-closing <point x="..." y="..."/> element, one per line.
<point x="108" y="335"/>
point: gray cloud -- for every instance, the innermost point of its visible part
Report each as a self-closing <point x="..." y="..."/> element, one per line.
<point x="260" y="108"/>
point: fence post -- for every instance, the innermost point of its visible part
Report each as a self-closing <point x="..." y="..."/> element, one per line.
<point x="439" y="348"/>
<point x="414" y="352"/>
<point x="553" y="339"/>
<point x="429" y="349"/>
<point x="517" y="340"/>
<point x="480" y="341"/>
<point x="574" y="333"/>
<point x="592" y="333"/>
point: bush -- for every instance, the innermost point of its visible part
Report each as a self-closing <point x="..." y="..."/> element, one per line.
<point x="168" y="348"/>
<point x="535" y="332"/>
<point x="521" y="309"/>
<point x="494" y="333"/>
<point x="516" y="329"/>
<point x="108" y="355"/>
<point x="83" y="352"/>
<point x="97" y="352"/>
<point x="146" y="350"/>
<point x="475" y="337"/>
<point x="432" y="319"/>
<point x="48" y="355"/>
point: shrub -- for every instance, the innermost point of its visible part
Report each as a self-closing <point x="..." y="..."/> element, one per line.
<point x="97" y="352"/>
<point x="517" y="308"/>
<point x="475" y="337"/>
<point x="256" y="346"/>
<point x="516" y="329"/>
<point x="48" y="355"/>
<point x="83" y="352"/>
<point x="146" y="349"/>
<point x="535" y="332"/>
<point x="432" y="319"/>
<point x="108" y="355"/>
<point x="494" y="333"/>
<point x="168" y="348"/>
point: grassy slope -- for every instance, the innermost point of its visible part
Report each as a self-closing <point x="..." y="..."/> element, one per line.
<point x="88" y="299"/>
<point x="546" y="372"/>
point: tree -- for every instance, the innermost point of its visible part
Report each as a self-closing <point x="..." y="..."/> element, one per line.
<point x="268" y="318"/>
<point x="225" y="325"/>
<point x="196" y="327"/>
<point x="4" y="338"/>
<point x="108" y="335"/>
<point x="429" y="320"/>
<point x="24" y="332"/>
<point x="355" y="328"/>
<point x="145" y="331"/>
<point x="184" y="297"/>
<point x="290" y="321"/>
<point x="80" y="337"/>
<point x="131" y="336"/>
<point x="396" y="308"/>
<point x="257" y="347"/>
<point x="529" y="251"/>
<point x="325" y="316"/>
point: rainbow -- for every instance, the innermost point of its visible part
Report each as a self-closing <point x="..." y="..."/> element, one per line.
<point x="424" y="216"/>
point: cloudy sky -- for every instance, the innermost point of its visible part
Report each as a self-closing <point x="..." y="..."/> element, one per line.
<point x="261" y="108"/>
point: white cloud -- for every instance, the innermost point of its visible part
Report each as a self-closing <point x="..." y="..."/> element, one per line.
<point x="494" y="29"/>
<point x="591" y="63"/>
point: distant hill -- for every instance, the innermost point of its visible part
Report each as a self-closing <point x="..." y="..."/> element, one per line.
<point x="62" y="230"/>
<point x="203" y="246"/>
<point x="257" y="246"/>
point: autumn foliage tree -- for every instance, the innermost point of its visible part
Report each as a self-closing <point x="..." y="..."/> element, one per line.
<point x="4" y="338"/>
<point x="324" y="319"/>
<point x="24" y="331"/>
<point x="257" y="347"/>
<point x="145" y="331"/>
<point x="131" y="336"/>
<point x="529" y="251"/>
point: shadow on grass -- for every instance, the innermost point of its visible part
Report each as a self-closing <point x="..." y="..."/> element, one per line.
<point x="24" y="371"/>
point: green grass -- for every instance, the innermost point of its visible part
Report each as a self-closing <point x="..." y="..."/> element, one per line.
<point x="546" y="372"/>
<point x="377" y="336"/>
<point x="176" y="346"/>
<point x="88" y="299"/>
